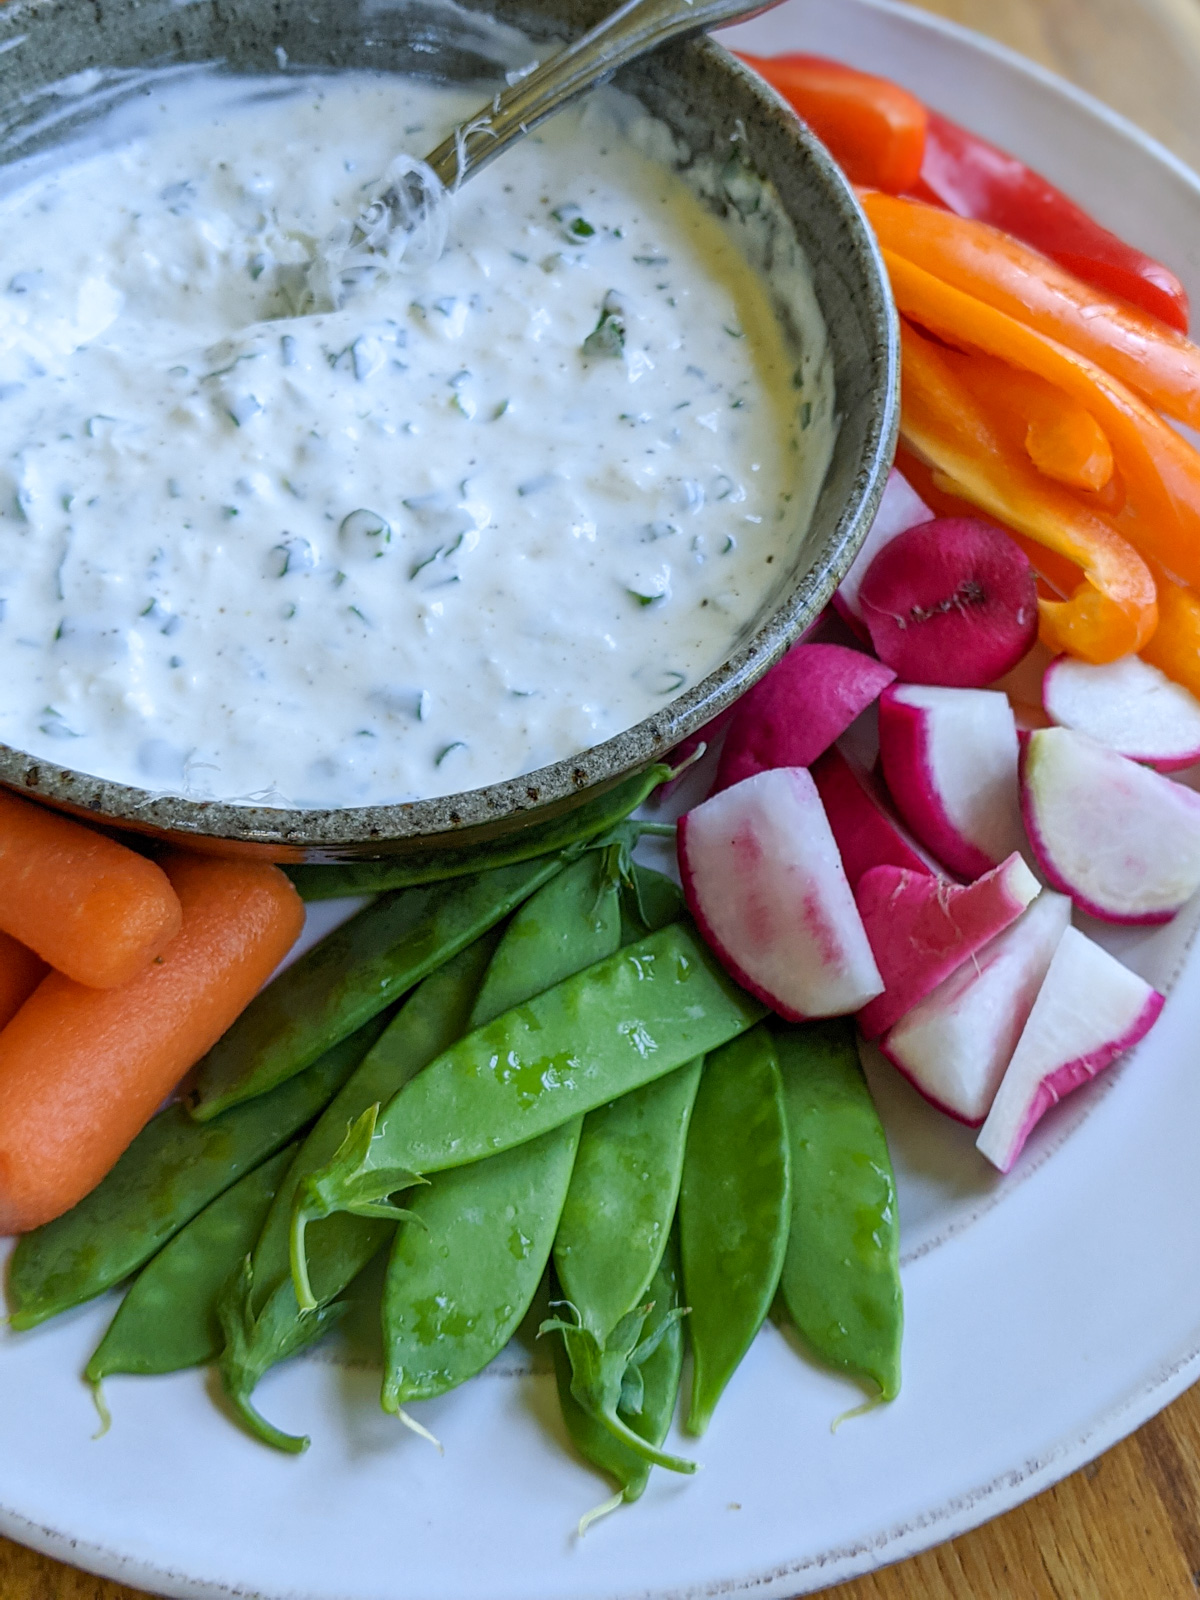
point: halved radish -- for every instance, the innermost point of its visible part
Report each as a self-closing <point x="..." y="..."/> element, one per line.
<point x="950" y="760"/>
<point x="1120" y="839"/>
<point x="1127" y="705"/>
<point x="764" y="880"/>
<point x="794" y="714"/>
<point x="953" y="601"/>
<point x="955" y="1044"/>
<point x="900" y="507"/>
<point x="922" y="928"/>
<point x="1090" y="1009"/>
<point x="867" y="832"/>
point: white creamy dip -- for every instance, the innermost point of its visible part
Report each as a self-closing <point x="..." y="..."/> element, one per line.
<point x="473" y="522"/>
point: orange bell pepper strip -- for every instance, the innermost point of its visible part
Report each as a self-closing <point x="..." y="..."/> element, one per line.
<point x="1112" y="612"/>
<point x="1061" y="439"/>
<point x="1161" y="471"/>
<point x="875" y="130"/>
<point x="1156" y="362"/>
<point x="1175" y="647"/>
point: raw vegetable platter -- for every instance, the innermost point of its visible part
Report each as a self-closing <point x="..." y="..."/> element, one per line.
<point x="1046" y="1313"/>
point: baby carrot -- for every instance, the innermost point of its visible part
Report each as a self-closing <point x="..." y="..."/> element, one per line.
<point x="20" y="973"/>
<point x="89" y="906"/>
<point x="83" y="1070"/>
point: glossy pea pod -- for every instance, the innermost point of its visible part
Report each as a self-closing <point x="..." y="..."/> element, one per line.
<point x="464" y="1270"/>
<point x="171" y="1171"/>
<point x="586" y="822"/>
<point x="626" y="1021"/>
<point x="841" y="1273"/>
<point x="260" y="1314"/>
<point x="360" y="968"/>
<point x="734" y="1211"/>
<point x="169" y="1319"/>
<point x="647" y="1413"/>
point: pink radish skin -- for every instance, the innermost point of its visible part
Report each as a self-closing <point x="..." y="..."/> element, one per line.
<point x="954" y="1045"/>
<point x="1119" y="838"/>
<point x="794" y="714"/>
<point x="921" y="929"/>
<point x="1090" y="1010"/>
<point x="952" y="601"/>
<point x="950" y="758"/>
<point x="901" y="507"/>
<point x="1129" y="706"/>
<point x="764" y="881"/>
<point x="866" y="832"/>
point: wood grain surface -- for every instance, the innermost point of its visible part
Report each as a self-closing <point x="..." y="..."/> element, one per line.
<point x="1127" y="1527"/>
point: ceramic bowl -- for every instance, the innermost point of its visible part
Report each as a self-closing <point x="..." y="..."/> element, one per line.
<point x="719" y="113"/>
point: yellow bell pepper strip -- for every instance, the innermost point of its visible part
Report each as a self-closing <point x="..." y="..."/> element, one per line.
<point x="1061" y="439"/>
<point x="1155" y="361"/>
<point x="1175" y="647"/>
<point x="1161" y="471"/>
<point x="1112" y="612"/>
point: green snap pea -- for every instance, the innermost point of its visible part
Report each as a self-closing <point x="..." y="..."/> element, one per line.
<point x="626" y="1021"/>
<point x="361" y="967"/>
<point x="168" y="1320"/>
<point x="841" y="1273"/>
<point x="654" y="902"/>
<point x="621" y="1201"/>
<point x="465" y="1268"/>
<point x="170" y="1172"/>
<point x="734" y="1211"/>
<point x="659" y="1371"/>
<point x="261" y="1316"/>
<point x="541" y="838"/>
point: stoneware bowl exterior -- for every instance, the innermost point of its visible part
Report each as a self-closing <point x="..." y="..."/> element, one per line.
<point x="709" y="100"/>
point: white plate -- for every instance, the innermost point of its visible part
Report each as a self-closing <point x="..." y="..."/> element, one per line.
<point x="1047" y="1316"/>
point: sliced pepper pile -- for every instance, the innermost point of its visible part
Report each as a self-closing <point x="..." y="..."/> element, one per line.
<point x="1041" y="359"/>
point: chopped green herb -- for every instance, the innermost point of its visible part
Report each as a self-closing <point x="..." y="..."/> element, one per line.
<point x="607" y="338"/>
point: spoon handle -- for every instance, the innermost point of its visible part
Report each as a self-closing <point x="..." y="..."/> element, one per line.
<point x="633" y="29"/>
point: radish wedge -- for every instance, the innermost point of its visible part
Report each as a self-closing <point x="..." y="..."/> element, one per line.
<point x="764" y="880"/>
<point x="1127" y="705"/>
<point x="1089" y="1011"/>
<point x="901" y="507"/>
<point x="922" y="928"/>
<point x="795" y="713"/>
<point x="1120" y="839"/>
<point x="867" y="833"/>
<point x="954" y="1045"/>
<point x="950" y="760"/>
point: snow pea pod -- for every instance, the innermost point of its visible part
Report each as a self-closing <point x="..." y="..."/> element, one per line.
<point x="464" y="1270"/>
<point x="171" y="1171"/>
<point x="734" y="1211"/>
<point x="627" y="1020"/>
<point x="841" y="1273"/>
<point x="539" y="838"/>
<point x="168" y="1320"/>
<point x="660" y="1373"/>
<point x="262" y="1319"/>
<point x="359" y="969"/>
<point x="621" y="1201"/>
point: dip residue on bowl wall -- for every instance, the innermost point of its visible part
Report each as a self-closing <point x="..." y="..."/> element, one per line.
<point x="481" y="518"/>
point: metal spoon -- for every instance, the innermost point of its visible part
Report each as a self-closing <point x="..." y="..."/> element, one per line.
<point x="411" y="201"/>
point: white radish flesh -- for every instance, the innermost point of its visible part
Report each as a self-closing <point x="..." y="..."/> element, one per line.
<point x="1129" y="706"/>
<point x="954" y="1045"/>
<point x="1120" y="839"/>
<point x="922" y="929"/>
<point x="1089" y="1011"/>
<point x="764" y="881"/>
<point x="950" y="759"/>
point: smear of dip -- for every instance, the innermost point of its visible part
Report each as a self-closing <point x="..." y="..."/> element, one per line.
<point x="473" y="522"/>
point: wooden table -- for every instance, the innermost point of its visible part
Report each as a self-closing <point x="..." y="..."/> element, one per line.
<point x="1127" y="1527"/>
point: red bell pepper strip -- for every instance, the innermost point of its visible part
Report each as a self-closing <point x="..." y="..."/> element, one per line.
<point x="973" y="178"/>
<point x="875" y="130"/>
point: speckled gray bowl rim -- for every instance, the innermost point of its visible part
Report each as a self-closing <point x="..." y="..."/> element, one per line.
<point x="477" y="815"/>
